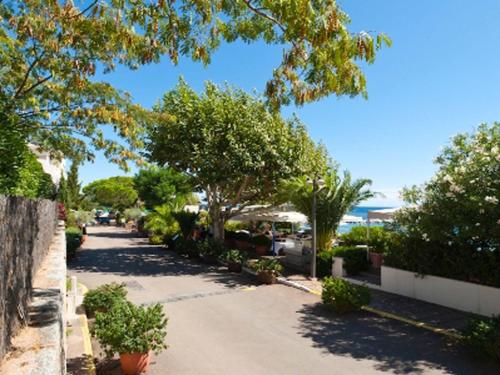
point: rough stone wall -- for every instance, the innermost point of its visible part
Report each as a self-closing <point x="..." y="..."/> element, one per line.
<point x="26" y="230"/>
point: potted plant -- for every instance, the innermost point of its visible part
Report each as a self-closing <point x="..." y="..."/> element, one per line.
<point x="267" y="270"/>
<point x="210" y="249"/>
<point x="229" y="238"/>
<point x="376" y="258"/>
<point x="234" y="259"/>
<point x="242" y="240"/>
<point x="262" y="244"/>
<point x="102" y="298"/>
<point x="133" y="332"/>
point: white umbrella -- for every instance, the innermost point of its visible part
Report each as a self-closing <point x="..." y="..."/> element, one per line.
<point x="271" y="214"/>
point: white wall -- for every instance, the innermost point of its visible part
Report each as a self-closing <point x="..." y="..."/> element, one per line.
<point x="456" y="294"/>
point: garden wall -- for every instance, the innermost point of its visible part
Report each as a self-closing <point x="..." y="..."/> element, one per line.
<point x="26" y="230"/>
<point x="460" y="295"/>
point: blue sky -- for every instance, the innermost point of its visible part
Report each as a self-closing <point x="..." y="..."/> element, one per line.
<point x="440" y="77"/>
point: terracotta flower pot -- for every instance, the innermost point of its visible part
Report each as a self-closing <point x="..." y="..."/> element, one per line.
<point x="234" y="267"/>
<point x="134" y="363"/>
<point x="261" y="249"/>
<point x="267" y="277"/>
<point x="242" y="245"/>
<point x="376" y="259"/>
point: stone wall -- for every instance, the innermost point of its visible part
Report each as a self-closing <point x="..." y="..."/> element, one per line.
<point x="26" y="230"/>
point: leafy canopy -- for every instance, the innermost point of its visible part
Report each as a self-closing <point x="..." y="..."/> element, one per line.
<point x="115" y="192"/>
<point x="50" y="51"/>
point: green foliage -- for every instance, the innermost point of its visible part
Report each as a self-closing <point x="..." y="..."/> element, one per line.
<point x="337" y="197"/>
<point x="157" y="186"/>
<point x="50" y="51"/>
<point x="342" y="296"/>
<point x="324" y="263"/>
<point x="187" y="222"/>
<point x="267" y="264"/>
<point x="261" y="240"/>
<point x="73" y="187"/>
<point x="229" y="143"/>
<point x="104" y="297"/>
<point x="211" y="247"/>
<point x="453" y="230"/>
<point x="116" y="192"/>
<point x="188" y="247"/>
<point x="482" y="337"/>
<point x="132" y="214"/>
<point x="233" y="226"/>
<point x="355" y="259"/>
<point x="25" y="177"/>
<point x="160" y="223"/>
<point x="234" y="256"/>
<point x="126" y="328"/>
<point x="380" y="241"/>
<point x="73" y="241"/>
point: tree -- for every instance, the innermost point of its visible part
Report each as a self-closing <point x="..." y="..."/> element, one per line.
<point x="336" y="198"/>
<point x="73" y="186"/>
<point x="115" y="192"/>
<point x="233" y="148"/>
<point x="51" y="50"/>
<point x="452" y="228"/>
<point x="157" y="186"/>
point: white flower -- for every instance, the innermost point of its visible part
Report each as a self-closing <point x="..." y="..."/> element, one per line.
<point x="449" y="194"/>
<point x="490" y="199"/>
<point x="481" y="211"/>
<point x="479" y="249"/>
<point x="448" y="178"/>
<point x="478" y="224"/>
<point x="450" y="243"/>
<point x="425" y="237"/>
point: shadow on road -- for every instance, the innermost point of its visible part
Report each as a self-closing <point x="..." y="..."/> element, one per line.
<point x="396" y="347"/>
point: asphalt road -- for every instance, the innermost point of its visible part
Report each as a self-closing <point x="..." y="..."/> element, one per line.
<point x="220" y="323"/>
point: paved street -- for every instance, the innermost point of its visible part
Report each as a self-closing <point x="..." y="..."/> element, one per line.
<point x="221" y="323"/>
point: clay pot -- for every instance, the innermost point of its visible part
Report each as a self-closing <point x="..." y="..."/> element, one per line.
<point x="261" y="249"/>
<point x="234" y="267"/>
<point x="134" y="363"/>
<point x="242" y="245"/>
<point x="376" y="259"/>
<point x="267" y="277"/>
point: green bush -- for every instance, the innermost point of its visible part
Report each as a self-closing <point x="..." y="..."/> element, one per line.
<point x="234" y="256"/>
<point x="267" y="264"/>
<point x="156" y="239"/>
<point x="233" y="226"/>
<point x="380" y="240"/>
<point x="104" y="297"/>
<point x="210" y="247"/>
<point x="127" y="328"/>
<point x="324" y="263"/>
<point x="342" y="296"/>
<point x="355" y="260"/>
<point x="73" y="241"/>
<point x="132" y="214"/>
<point x="187" y="247"/>
<point x="482" y="337"/>
<point x="261" y="240"/>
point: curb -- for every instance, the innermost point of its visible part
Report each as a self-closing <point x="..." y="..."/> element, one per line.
<point x="87" y="345"/>
<point x="381" y="313"/>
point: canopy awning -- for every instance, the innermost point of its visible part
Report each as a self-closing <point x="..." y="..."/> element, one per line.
<point x="384" y="215"/>
<point x="271" y="214"/>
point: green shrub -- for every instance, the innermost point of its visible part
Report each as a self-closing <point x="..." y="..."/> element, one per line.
<point x="127" y="328"/>
<point x="132" y="214"/>
<point x="104" y="297"/>
<point x="267" y="264"/>
<point x="73" y="241"/>
<point x="482" y="337"/>
<point x="324" y="263"/>
<point x="261" y="240"/>
<point x="210" y="247"/>
<point x="234" y="256"/>
<point x="186" y="221"/>
<point x="380" y="240"/>
<point x="187" y="247"/>
<point x="355" y="259"/>
<point x="233" y="226"/>
<point x="156" y="239"/>
<point x="342" y="296"/>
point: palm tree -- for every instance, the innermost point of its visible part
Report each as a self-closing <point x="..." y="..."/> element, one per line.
<point x="334" y="199"/>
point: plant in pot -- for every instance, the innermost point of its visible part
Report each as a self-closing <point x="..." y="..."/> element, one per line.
<point x="234" y="259"/>
<point x="242" y="240"/>
<point x="376" y="257"/>
<point x="102" y="298"/>
<point x="229" y="238"/>
<point x="133" y="332"/>
<point x="267" y="270"/>
<point x="262" y="244"/>
<point x="187" y="247"/>
<point x="210" y="249"/>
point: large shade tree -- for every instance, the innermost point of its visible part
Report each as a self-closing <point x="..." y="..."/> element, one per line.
<point x="114" y="192"/>
<point x="50" y="51"/>
<point x="336" y="197"/>
<point x="234" y="149"/>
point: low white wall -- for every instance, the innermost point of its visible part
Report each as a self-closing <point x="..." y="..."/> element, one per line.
<point x="456" y="294"/>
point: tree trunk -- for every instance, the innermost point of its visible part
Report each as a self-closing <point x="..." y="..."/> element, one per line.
<point x="217" y="217"/>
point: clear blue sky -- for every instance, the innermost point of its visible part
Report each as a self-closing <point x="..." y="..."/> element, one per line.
<point x="440" y="77"/>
